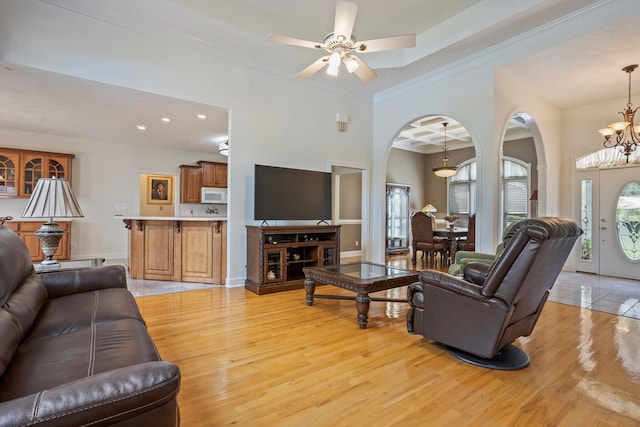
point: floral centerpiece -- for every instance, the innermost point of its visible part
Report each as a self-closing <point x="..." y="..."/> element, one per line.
<point x="451" y="219"/>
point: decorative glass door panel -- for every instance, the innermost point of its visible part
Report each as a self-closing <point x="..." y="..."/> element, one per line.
<point x="328" y="255"/>
<point x="32" y="173"/>
<point x="628" y="221"/>
<point x="397" y="218"/>
<point x="619" y="222"/>
<point x="8" y="182"/>
<point x="274" y="265"/>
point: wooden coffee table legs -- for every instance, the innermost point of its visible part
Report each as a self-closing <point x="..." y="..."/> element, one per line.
<point x="310" y="288"/>
<point x="362" y="301"/>
<point x="362" y="305"/>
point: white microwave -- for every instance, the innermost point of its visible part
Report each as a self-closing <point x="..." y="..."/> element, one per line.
<point x="213" y="195"/>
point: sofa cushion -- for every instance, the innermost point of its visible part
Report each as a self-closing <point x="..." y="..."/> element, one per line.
<point x="10" y="337"/>
<point x="78" y="311"/>
<point x="25" y="303"/>
<point x="47" y="363"/>
<point x="15" y="263"/>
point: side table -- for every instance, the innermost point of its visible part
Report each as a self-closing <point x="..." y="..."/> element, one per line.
<point x="62" y="265"/>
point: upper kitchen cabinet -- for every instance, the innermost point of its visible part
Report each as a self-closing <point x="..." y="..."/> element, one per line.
<point x="21" y="169"/>
<point x="190" y="183"/>
<point x="213" y="174"/>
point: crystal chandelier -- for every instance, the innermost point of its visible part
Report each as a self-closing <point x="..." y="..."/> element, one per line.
<point x="627" y="132"/>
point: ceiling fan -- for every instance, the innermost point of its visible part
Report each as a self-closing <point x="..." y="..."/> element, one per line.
<point x="342" y="45"/>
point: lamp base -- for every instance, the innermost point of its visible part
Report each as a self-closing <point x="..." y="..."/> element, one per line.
<point x="49" y="234"/>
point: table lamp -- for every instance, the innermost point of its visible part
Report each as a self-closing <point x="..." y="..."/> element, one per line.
<point x="52" y="198"/>
<point x="429" y="208"/>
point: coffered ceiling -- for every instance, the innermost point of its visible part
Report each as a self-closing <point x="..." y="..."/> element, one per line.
<point x="585" y="69"/>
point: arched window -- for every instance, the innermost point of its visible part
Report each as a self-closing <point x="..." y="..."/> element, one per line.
<point x="462" y="191"/>
<point x="514" y="191"/>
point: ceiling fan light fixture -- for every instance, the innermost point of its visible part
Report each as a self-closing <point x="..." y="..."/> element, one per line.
<point x="332" y="71"/>
<point x="334" y="60"/>
<point x="351" y="64"/>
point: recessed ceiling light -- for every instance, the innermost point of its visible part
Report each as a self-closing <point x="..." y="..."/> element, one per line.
<point x="141" y="127"/>
<point x="202" y="116"/>
<point x="166" y="119"/>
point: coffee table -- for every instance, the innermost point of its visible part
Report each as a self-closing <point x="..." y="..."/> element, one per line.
<point x="362" y="278"/>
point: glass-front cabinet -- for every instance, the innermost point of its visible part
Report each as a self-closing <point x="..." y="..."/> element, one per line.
<point x="20" y="170"/>
<point x="274" y="265"/>
<point x="8" y="174"/>
<point x="397" y="241"/>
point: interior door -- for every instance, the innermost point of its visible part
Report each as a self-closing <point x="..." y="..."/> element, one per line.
<point x="619" y="222"/>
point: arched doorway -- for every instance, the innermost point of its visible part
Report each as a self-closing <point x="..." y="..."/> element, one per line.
<point x="416" y="150"/>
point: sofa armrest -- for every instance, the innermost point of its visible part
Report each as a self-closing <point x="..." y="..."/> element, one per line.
<point x="107" y="398"/>
<point x="460" y="255"/>
<point x="61" y="283"/>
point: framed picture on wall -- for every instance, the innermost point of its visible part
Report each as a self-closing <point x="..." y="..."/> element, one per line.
<point x="159" y="189"/>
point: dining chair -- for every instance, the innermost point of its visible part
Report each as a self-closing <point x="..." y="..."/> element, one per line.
<point x="422" y="226"/>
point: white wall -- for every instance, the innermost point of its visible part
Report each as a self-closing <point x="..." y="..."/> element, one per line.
<point x="274" y="120"/>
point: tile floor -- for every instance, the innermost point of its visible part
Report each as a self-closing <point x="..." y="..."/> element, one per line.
<point x="600" y="293"/>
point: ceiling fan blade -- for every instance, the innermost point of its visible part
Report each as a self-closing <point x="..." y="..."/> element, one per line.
<point x="363" y="71"/>
<point x="387" y="43"/>
<point x="313" y="68"/>
<point x="294" y="42"/>
<point x="345" y="18"/>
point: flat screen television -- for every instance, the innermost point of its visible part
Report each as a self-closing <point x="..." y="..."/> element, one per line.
<point x="291" y="194"/>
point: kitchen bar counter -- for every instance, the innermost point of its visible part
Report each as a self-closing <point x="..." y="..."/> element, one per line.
<point x="172" y="218"/>
<point x="178" y="249"/>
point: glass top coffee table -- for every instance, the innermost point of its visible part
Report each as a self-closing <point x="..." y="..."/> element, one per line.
<point x="362" y="278"/>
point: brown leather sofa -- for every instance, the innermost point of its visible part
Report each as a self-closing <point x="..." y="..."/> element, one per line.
<point x="479" y="315"/>
<point x="74" y="349"/>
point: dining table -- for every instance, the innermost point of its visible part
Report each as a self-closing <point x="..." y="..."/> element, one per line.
<point x="452" y="234"/>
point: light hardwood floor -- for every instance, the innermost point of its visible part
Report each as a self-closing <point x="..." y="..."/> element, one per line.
<point x="270" y="360"/>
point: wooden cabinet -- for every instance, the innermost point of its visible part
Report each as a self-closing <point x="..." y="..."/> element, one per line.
<point x="180" y="251"/>
<point x="160" y="251"/>
<point x="205" y="174"/>
<point x="190" y="178"/>
<point x="276" y="255"/>
<point x="204" y="254"/>
<point x="27" y="232"/>
<point x="21" y="169"/>
<point x="213" y="174"/>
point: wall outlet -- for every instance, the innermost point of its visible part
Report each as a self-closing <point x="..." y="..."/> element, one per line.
<point x="357" y="242"/>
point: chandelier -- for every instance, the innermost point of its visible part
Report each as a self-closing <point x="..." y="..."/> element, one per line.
<point x="627" y="132"/>
<point x="444" y="171"/>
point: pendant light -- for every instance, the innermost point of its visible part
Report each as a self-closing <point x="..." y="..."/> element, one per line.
<point x="442" y="167"/>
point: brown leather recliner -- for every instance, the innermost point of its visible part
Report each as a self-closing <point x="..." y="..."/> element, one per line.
<point x="478" y="316"/>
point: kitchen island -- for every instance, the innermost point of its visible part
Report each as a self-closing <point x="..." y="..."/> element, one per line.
<point x="178" y="249"/>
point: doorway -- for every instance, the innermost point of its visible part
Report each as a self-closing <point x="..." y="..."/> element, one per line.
<point x="610" y="217"/>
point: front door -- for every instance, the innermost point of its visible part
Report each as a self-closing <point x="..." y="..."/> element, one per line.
<point x="619" y="222"/>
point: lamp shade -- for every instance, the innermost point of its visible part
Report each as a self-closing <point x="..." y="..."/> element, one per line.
<point x="445" y="171"/>
<point x="52" y="198"/>
<point x="428" y="208"/>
